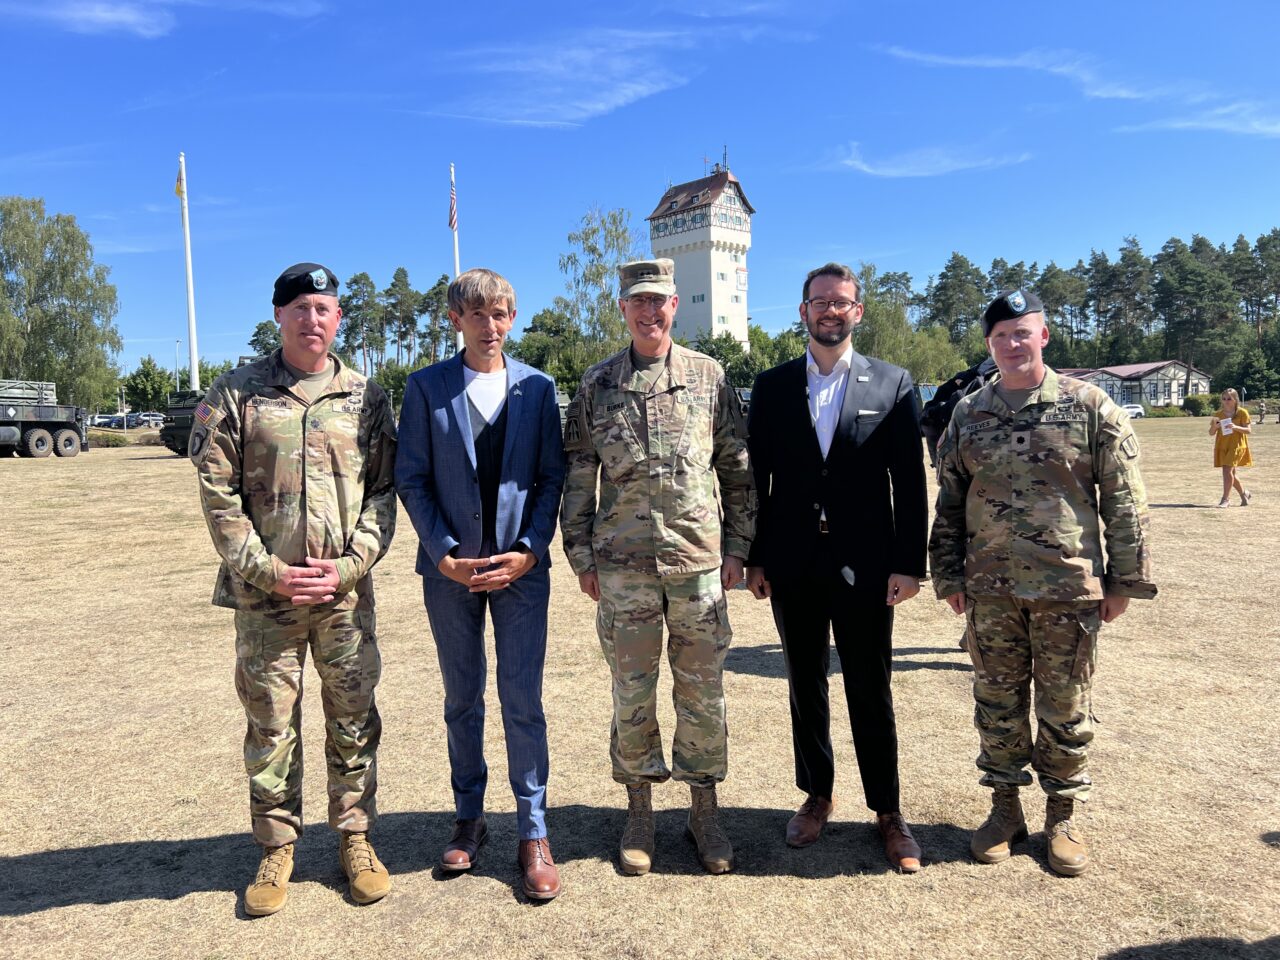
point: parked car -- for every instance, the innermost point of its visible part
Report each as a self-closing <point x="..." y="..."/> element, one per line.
<point x="151" y="419"/>
<point x="1134" y="410"/>
<point x="100" y="420"/>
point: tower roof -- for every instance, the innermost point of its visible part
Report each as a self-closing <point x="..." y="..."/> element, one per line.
<point x="698" y="193"/>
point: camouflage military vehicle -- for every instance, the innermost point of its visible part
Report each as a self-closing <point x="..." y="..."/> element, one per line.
<point x="33" y="423"/>
<point x="177" y="422"/>
<point x="182" y="407"/>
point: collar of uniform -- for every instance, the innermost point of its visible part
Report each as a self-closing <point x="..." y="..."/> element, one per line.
<point x="677" y="373"/>
<point x="989" y="399"/>
<point x="278" y="374"/>
<point x="843" y="362"/>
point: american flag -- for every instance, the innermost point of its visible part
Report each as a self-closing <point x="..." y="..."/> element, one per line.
<point x="453" y="205"/>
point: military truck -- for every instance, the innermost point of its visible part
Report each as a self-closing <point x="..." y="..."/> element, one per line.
<point x="33" y="423"/>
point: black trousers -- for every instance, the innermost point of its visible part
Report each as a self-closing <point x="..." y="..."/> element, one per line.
<point x="807" y="612"/>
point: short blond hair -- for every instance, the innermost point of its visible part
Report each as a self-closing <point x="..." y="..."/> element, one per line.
<point x="480" y="288"/>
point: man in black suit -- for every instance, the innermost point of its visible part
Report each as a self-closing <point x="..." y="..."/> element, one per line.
<point x="840" y="541"/>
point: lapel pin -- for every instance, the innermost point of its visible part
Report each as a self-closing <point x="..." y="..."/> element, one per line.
<point x="863" y="379"/>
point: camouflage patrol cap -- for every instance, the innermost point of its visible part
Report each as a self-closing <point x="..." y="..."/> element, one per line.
<point x="647" y="276"/>
<point x="304" y="278"/>
<point x="1007" y="305"/>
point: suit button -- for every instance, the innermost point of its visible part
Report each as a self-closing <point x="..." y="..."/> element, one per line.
<point x="817" y="506"/>
<point x="475" y="516"/>
<point x="824" y="471"/>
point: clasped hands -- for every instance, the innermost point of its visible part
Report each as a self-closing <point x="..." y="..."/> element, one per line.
<point x="503" y="569"/>
<point x="317" y="582"/>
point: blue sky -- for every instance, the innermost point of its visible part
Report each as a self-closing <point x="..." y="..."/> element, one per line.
<point x="890" y="132"/>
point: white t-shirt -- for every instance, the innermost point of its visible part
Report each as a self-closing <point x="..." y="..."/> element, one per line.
<point x="486" y="391"/>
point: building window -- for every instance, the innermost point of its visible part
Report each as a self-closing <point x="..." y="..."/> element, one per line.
<point x="730" y="199"/>
<point x="674" y="204"/>
<point x="722" y="319"/>
<point x="737" y="298"/>
<point x="699" y="217"/>
<point x="1168" y="390"/>
<point x="698" y="298"/>
<point x="724" y="218"/>
<point x="737" y="221"/>
<point x="695" y="198"/>
<point x="722" y="276"/>
<point x="1153" y="390"/>
<point x="661" y="226"/>
<point x="679" y="222"/>
<point x="735" y="257"/>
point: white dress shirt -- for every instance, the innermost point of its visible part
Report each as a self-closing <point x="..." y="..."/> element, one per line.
<point x="826" y="396"/>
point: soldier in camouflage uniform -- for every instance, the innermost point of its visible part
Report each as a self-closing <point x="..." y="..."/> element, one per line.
<point x="657" y="426"/>
<point x="294" y="456"/>
<point x="1033" y="471"/>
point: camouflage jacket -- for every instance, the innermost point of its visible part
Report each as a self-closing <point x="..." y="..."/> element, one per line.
<point x="658" y="509"/>
<point x="1021" y="494"/>
<point x="281" y="480"/>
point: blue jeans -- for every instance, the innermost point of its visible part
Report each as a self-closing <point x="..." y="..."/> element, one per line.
<point x="520" y="639"/>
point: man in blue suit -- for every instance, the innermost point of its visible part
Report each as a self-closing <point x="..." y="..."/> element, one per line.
<point x="479" y="469"/>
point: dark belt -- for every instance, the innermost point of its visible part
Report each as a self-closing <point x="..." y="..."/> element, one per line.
<point x="823" y="527"/>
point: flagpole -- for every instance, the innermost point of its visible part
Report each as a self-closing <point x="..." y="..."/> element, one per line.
<point x="453" y="225"/>
<point x="193" y="381"/>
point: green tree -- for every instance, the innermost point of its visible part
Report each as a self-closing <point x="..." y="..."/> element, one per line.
<point x="265" y="339"/>
<point x="438" y="333"/>
<point x="955" y="299"/>
<point x="209" y="372"/>
<point x="603" y="242"/>
<point x="362" y="321"/>
<point x="728" y="351"/>
<point x="57" y="308"/>
<point x="148" y="387"/>
<point x="1063" y="293"/>
<point x="553" y="343"/>
<point x="400" y="308"/>
<point x="1196" y="302"/>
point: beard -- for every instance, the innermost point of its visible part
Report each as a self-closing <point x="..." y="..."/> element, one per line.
<point x="830" y="336"/>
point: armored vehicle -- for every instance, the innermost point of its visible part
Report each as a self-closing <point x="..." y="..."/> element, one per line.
<point x="35" y="424"/>
<point x="177" y="422"/>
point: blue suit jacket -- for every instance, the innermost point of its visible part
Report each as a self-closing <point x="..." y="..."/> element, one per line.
<point x="436" y="464"/>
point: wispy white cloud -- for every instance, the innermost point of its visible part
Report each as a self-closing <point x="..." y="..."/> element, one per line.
<point x="1075" y="67"/>
<point x="1246" y="117"/>
<point x="924" y="162"/>
<point x="571" y="79"/>
<point x="147" y="19"/>
<point x="54" y="158"/>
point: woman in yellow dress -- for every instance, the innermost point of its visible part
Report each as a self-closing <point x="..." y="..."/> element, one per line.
<point x="1231" y="428"/>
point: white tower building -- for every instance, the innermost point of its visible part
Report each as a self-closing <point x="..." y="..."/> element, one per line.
<point x="705" y="227"/>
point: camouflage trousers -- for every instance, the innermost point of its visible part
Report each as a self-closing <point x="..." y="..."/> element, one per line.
<point x="271" y="651"/>
<point x="629" y="620"/>
<point x="1013" y="642"/>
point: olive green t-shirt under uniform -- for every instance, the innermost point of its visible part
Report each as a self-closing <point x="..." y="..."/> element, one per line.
<point x="648" y="369"/>
<point x="312" y="385"/>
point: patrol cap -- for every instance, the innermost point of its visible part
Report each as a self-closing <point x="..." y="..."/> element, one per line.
<point x="647" y="276"/>
<point x="1007" y="305"/>
<point x="304" y="278"/>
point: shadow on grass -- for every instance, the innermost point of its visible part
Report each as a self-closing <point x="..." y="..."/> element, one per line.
<point x="766" y="660"/>
<point x="1201" y="948"/>
<point x="1271" y="838"/>
<point x="1181" y="506"/>
<point x="411" y="843"/>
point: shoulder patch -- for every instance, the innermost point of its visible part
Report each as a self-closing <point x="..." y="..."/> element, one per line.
<point x="1129" y="446"/>
<point x="575" y="437"/>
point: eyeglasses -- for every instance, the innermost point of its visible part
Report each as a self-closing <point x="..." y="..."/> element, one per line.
<point x="839" y="306"/>
<point x="655" y="301"/>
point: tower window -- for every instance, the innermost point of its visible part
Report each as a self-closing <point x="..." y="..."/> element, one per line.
<point x="722" y="276"/>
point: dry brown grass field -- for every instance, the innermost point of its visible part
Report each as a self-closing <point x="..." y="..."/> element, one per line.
<point x="124" y="805"/>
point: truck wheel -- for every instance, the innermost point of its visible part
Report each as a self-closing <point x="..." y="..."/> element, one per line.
<point x="37" y="442"/>
<point x="66" y="443"/>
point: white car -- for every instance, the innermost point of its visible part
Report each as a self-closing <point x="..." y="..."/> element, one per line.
<point x="1134" y="410"/>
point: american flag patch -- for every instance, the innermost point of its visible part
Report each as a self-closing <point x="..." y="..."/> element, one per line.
<point x="203" y="412"/>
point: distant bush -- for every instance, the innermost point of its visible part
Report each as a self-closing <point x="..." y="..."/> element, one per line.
<point x="1169" y="411"/>
<point x="100" y="438"/>
<point x="1198" y="405"/>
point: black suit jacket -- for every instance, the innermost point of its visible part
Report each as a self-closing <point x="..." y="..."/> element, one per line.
<point x="871" y="484"/>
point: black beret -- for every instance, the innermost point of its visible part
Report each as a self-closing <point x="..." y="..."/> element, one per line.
<point x="1007" y="305"/>
<point x="304" y="278"/>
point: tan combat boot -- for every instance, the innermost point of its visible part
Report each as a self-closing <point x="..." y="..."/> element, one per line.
<point x="367" y="878"/>
<point x="714" y="850"/>
<point x="1005" y="825"/>
<point x="270" y="887"/>
<point x="1068" y="853"/>
<point x="636" y="851"/>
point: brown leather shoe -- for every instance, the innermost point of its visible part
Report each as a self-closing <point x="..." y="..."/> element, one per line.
<point x="541" y="878"/>
<point x="806" y="826"/>
<point x="464" y="843"/>
<point x="899" y="845"/>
